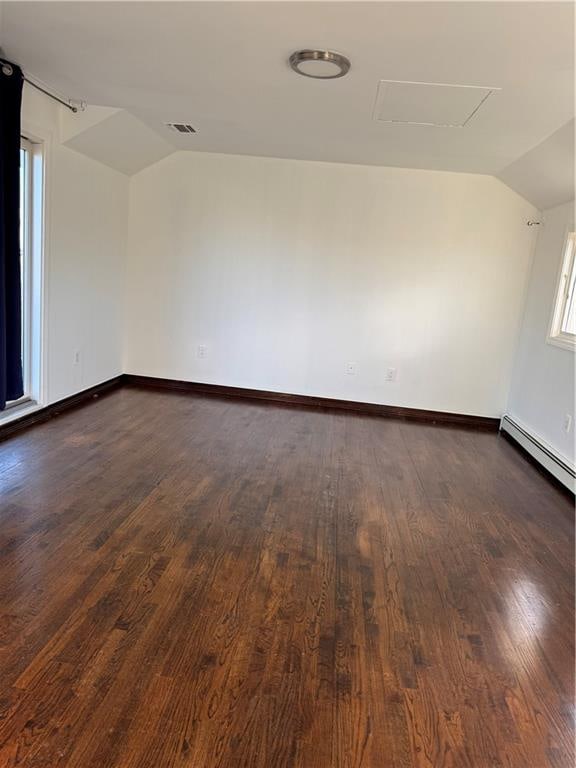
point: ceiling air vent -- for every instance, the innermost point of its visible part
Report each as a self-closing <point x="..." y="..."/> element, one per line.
<point x="180" y="127"/>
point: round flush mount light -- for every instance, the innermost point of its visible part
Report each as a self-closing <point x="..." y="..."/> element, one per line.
<point x="324" y="65"/>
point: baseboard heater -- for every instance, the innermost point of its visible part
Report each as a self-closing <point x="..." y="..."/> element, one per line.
<point x="558" y="467"/>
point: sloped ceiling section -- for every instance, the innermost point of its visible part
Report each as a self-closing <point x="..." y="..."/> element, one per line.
<point x="114" y="137"/>
<point x="545" y="175"/>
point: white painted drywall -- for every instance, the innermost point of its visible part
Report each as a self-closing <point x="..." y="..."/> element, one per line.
<point x="542" y="390"/>
<point x="85" y="249"/>
<point x="545" y="174"/>
<point x="287" y="270"/>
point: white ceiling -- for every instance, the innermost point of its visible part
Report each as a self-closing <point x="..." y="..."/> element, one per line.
<point x="222" y="66"/>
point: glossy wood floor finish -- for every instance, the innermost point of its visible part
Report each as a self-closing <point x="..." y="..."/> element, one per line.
<point x="208" y="583"/>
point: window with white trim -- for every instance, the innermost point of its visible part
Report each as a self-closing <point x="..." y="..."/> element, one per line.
<point x="25" y="255"/>
<point x="31" y="210"/>
<point x="563" y="327"/>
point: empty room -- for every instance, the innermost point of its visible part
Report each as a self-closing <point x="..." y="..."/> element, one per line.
<point x="287" y="390"/>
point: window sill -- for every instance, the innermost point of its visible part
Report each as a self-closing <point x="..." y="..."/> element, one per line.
<point x="20" y="408"/>
<point x="562" y="341"/>
<point x="17" y="403"/>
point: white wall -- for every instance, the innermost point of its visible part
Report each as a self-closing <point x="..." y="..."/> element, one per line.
<point x="542" y="389"/>
<point x="85" y="253"/>
<point x="286" y="270"/>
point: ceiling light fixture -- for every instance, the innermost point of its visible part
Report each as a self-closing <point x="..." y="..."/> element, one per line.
<point x="324" y="65"/>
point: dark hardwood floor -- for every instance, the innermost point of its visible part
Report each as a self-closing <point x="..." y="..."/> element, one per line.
<point x="202" y="582"/>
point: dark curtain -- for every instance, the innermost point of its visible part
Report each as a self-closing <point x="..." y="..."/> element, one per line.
<point x="11" y="385"/>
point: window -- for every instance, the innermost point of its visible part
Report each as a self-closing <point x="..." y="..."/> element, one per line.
<point x="563" y="328"/>
<point x="25" y="255"/>
<point x="31" y="184"/>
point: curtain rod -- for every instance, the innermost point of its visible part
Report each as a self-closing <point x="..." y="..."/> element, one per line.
<point x="68" y="104"/>
<point x="80" y="107"/>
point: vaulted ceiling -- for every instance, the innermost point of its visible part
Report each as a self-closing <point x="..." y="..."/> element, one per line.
<point x="222" y="66"/>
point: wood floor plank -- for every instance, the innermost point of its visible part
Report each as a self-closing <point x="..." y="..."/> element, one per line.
<point x="189" y="582"/>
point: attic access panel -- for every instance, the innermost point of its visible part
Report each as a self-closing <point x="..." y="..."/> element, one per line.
<point x="432" y="104"/>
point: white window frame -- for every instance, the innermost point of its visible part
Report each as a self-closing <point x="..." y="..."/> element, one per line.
<point x="27" y="212"/>
<point x="565" y="294"/>
<point x="32" y="277"/>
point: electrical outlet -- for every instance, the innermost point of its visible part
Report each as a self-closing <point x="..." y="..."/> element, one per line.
<point x="390" y="374"/>
<point x="351" y="369"/>
<point x="567" y="424"/>
<point x="202" y="351"/>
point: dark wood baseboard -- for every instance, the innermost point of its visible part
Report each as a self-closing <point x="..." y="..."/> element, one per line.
<point x="74" y="401"/>
<point x="264" y="396"/>
<point x="538" y="466"/>
<point x="308" y="401"/>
